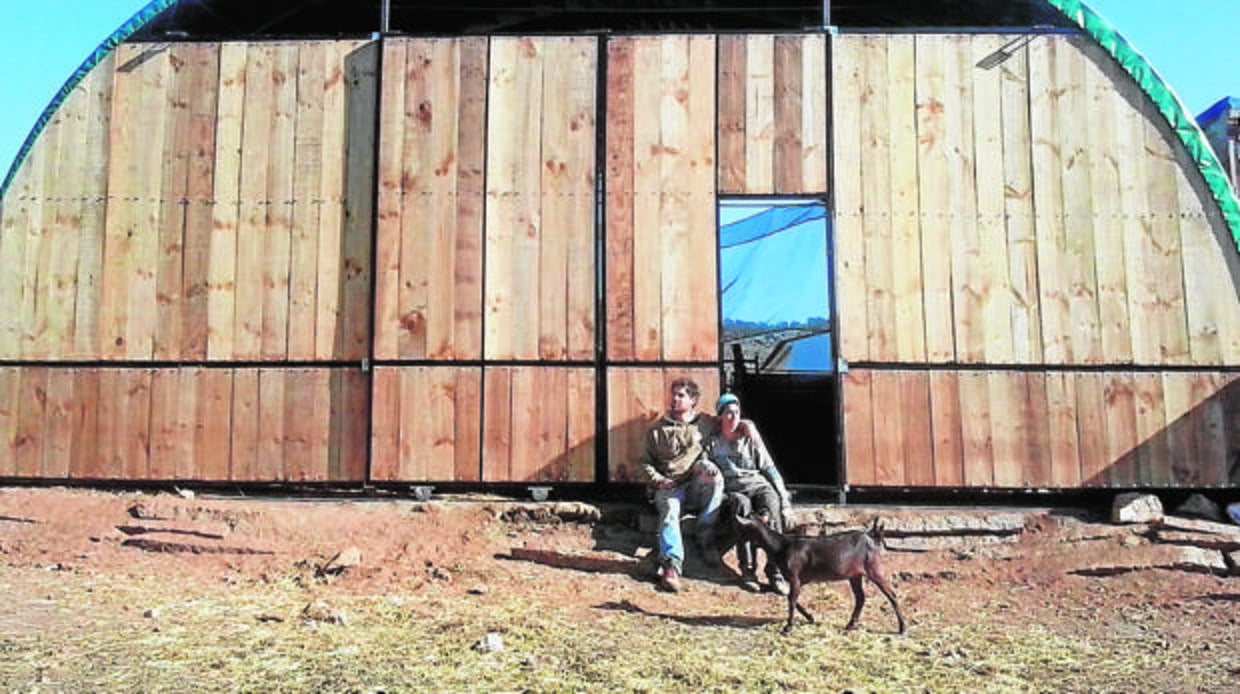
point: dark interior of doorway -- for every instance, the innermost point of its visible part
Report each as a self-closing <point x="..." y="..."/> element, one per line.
<point x="796" y="415"/>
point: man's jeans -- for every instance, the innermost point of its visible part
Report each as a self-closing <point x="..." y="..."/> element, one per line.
<point x="702" y="492"/>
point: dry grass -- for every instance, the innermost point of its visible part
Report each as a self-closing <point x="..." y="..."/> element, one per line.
<point x="145" y="635"/>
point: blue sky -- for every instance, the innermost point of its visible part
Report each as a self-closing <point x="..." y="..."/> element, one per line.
<point x="1192" y="44"/>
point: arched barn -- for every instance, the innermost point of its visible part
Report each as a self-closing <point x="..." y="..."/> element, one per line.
<point x="933" y="244"/>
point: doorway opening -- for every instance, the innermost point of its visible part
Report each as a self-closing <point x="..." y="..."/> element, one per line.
<point x="776" y="332"/>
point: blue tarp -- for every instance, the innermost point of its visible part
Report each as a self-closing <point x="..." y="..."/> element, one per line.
<point x="773" y="262"/>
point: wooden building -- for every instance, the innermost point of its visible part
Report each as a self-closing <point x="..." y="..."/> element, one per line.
<point x="388" y="243"/>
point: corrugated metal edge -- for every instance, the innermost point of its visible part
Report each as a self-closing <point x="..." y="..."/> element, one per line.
<point x="140" y="18"/>
<point x="1168" y="103"/>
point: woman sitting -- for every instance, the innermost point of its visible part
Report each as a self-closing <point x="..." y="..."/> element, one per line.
<point x="752" y="486"/>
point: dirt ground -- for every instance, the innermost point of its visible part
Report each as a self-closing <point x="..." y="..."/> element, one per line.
<point x="116" y="590"/>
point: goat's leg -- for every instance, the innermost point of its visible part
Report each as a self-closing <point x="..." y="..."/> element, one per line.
<point x="881" y="582"/>
<point x="858" y="601"/>
<point x="794" y="605"/>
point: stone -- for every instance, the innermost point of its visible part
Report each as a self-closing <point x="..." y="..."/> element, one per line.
<point x="321" y="611"/>
<point x="1198" y="506"/>
<point x="491" y="643"/>
<point x="1136" y="507"/>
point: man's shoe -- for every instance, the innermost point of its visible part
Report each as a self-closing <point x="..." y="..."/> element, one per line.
<point x="779" y="585"/>
<point x="669" y="580"/>
<point x="749" y="581"/>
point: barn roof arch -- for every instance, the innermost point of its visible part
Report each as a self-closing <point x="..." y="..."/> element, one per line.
<point x="188" y="20"/>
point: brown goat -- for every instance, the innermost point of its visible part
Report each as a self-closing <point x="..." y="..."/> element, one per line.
<point x="847" y="556"/>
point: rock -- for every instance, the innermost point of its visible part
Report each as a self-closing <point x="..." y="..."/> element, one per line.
<point x="491" y="643"/>
<point x="1198" y="506"/>
<point x="321" y="611"/>
<point x="1198" y="526"/>
<point x="1136" y="507"/>
<point x="344" y="560"/>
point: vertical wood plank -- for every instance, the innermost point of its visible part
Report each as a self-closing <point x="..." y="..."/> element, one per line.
<point x="467" y="430"/>
<point x="351" y="336"/>
<point x="60" y="424"/>
<point x="1025" y="314"/>
<point x="1076" y="152"/>
<point x="133" y="422"/>
<point x="513" y="215"/>
<point x="270" y="462"/>
<point x="907" y="302"/>
<point x="620" y="230"/>
<point x="203" y="91"/>
<point x="703" y="326"/>
<point x="85" y="459"/>
<point x="814" y="150"/>
<point x="169" y="307"/>
<point x="385" y="424"/>
<point x="1008" y="428"/>
<point x="732" y="71"/>
<point x="1035" y="412"/>
<point x="1106" y="130"/>
<point x="969" y="289"/>
<point x="975" y="415"/>
<point x="280" y="200"/>
<point x="760" y="126"/>
<point x="497" y="389"/>
<point x="1120" y="430"/>
<point x="389" y="236"/>
<point x="1091" y="429"/>
<point x="934" y="204"/>
<point x="876" y="199"/>
<point x="30" y="437"/>
<point x="648" y="151"/>
<point x="213" y="424"/>
<point x="946" y="427"/>
<point x="579" y="466"/>
<point x="851" y="293"/>
<point x="991" y="267"/>
<point x="10" y="404"/>
<point x="94" y="167"/>
<point x="860" y="448"/>
<point x="467" y="280"/>
<point x="244" y="465"/>
<point x="888" y="431"/>
<point x="226" y="210"/>
<point x="917" y="442"/>
<point x="1153" y="445"/>
<point x="1160" y="246"/>
<point x="308" y="150"/>
<point x="1053" y="287"/>
<point x="1064" y="443"/>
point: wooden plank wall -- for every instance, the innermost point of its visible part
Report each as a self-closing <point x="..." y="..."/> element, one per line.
<point x="662" y="278"/>
<point x="51" y="230"/>
<point x="1040" y="430"/>
<point x="636" y="398"/>
<point x="540" y="199"/>
<point x="428" y="300"/>
<point x="203" y="206"/>
<point x="1025" y="220"/>
<point x="1035" y="213"/>
<point x="772" y="114"/>
<point x="427" y="424"/>
<point x="191" y="423"/>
